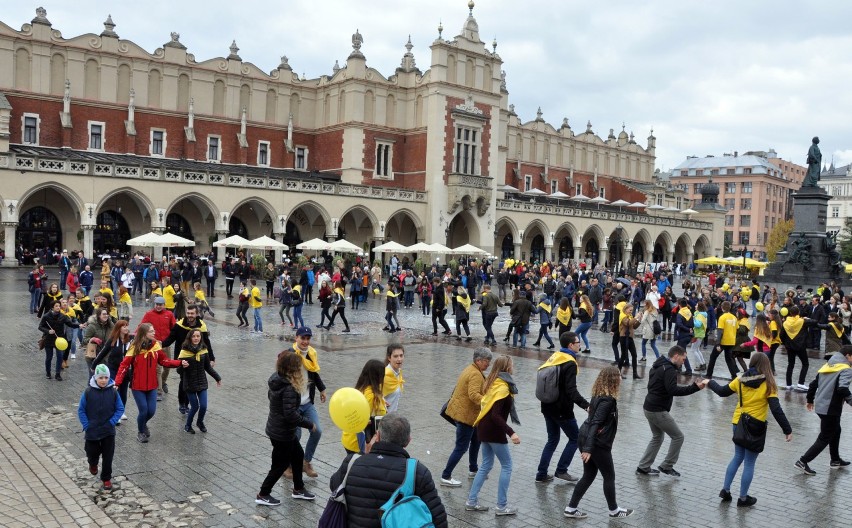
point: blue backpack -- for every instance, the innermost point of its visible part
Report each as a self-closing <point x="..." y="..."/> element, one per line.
<point x="404" y="509"/>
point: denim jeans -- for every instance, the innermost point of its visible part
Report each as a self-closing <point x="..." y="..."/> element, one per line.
<point x="146" y="402"/>
<point x="49" y="352"/>
<point x="409" y="298"/>
<point x="309" y="412"/>
<point x="554" y="426"/>
<point x="741" y="455"/>
<point x="35" y="297"/>
<point x="488" y="321"/>
<point x="466" y="440"/>
<point x="297" y="316"/>
<point x="522" y="332"/>
<point x="389" y="319"/>
<point x="583" y="332"/>
<point x="258" y="324"/>
<point x="489" y="451"/>
<point x="653" y="346"/>
<point x="197" y="404"/>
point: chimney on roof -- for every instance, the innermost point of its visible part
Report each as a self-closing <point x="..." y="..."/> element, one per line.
<point x="736" y="153"/>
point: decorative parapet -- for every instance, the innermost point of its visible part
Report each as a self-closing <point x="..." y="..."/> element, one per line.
<point x="466" y="191"/>
<point x="594" y="214"/>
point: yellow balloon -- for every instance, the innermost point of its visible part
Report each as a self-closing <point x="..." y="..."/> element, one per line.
<point x="376" y="291"/>
<point x="759" y="306"/>
<point x="61" y="343"/>
<point x="784" y="312"/>
<point x="349" y="410"/>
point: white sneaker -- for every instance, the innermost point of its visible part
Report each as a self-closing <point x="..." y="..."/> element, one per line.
<point x="123" y="418"/>
<point x="73" y="356"/>
<point x="450" y="482"/>
<point x="801" y="387"/>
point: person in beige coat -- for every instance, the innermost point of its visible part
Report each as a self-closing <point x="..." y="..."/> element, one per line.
<point x="463" y="407"/>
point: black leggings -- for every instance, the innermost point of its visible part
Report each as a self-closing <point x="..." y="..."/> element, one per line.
<point x="616" y="341"/>
<point x="438" y="317"/>
<point x="341" y="311"/>
<point x="284" y="454"/>
<point x="241" y="312"/>
<point x="802" y="354"/>
<point x="628" y="345"/>
<point x="601" y="460"/>
<point x="771" y="355"/>
<point x="462" y="323"/>
<point x="668" y="321"/>
<point x="270" y="286"/>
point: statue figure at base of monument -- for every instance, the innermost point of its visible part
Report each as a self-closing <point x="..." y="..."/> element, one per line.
<point x="801" y="253"/>
<point x="814" y="165"/>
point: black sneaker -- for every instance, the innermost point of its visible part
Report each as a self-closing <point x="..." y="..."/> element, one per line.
<point x="544" y="479"/>
<point x="564" y="475"/>
<point x="267" y="500"/>
<point x="58" y="377"/>
<point x="672" y="472"/>
<point x="189" y="429"/>
<point x="839" y="463"/>
<point x="303" y="495"/>
<point x="166" y="388"/>
<point x="202" y="428"/>
<point x="746" y="502"/>
<point x="142" y="438"/>
<point x="804" y="467"/>
<point x="622" y="512"/>
<point x="651" y="472"/>
<point x="725" y="495"/>
<point x="576" y="514"/>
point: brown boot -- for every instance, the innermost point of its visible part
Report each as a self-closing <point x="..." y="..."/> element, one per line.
<point x="308" y="470"/>
<point x="288" y="473"/>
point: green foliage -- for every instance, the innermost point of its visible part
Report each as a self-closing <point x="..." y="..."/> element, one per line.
<point x="844" y="241"/>
<point x="302" y="261"/>
<point x="778" y="238"/>
<point x="418" y="267"/>
<point x="454" y="266"/>
<point x="258" y="260"/>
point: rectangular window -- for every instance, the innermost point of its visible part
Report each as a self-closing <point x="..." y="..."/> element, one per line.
<point x="467" y="144"/>
<point x="31" y="129"/>
<point x="747" y="170"/>
<point x="527" y="182"/>
<point x="730" y="187"/>
<point x="746" y="188"/>
<point x="696" y="188"/>
<point x="384" y="162"/>
<point x="602" y="192"/>
<point x="684" y="173"/>
<point x="744" y="237"/>
<point x="714" y="172"/>
<point x="730" y="203"/>
<point x="765" y="221"/>
<point x="745" y="204"/>
<point x="263" y="153"/>
<point x="301" y="158"/>
<point x="835" y="211"/>
<point x="699" y="172"/>
<point x="96" y="135"/>
<point x="729" y="220"/>
<point x="745" y="220"/>
<point x="214" y="153"/>
<point x="158" y="142"/>
<point x="578" y="189"/>
<point x="554" y="186"/>
<point x="767" y="205"/>
<point x="659" y="199"/>
<point x="730" y="171"/>
<point x="759" y="237"/>
<point x="679" y="202"/>
<point x="729" y="237"/>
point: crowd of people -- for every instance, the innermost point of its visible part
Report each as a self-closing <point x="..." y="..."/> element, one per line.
<point x="739" y="320"/>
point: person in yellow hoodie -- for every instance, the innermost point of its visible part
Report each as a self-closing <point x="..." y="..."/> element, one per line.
<point x="492" y="429"/>
<point x="563" y="316"/>
<point x="462" y="313"/>
<point x="794" y="337"/>
<point x="169" y="296"/>
<point x="726" y="325"/>
<point x="393" y="384"/>
<point x="370" y="383"/>
<point x="256" y="303"/>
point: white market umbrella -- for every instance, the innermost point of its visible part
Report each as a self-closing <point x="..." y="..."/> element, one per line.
<point x="671" y="210"/>
<point x="344" y="246"/>
<point x="314" y="244"/>
<point x="638" y="205"/>
<point x="559" y="195"/>
<point x="439" y="248"/>
<point x="390" y="247"/>
<point x="421" y="247"/>
<point x="172" y="240"/>
<point x="620" y="204"/>
<point x="468" y="249"/>
<point x="689" y="211"/>
<point x="231" y="241"/>
<point x="580" y="198"/>
<point x="144" y="240"/>
<point x="598" y="200"/>
<point x="535" y="192"/>
<point x="267" y="243"/>
<point x="508" y="189"/>
<point x="656" y="207"/>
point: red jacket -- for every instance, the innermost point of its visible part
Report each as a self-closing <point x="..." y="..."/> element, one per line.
<point x="163" y="322"/>
<point x="144" y="367"/>
<point x="73" y="282"/>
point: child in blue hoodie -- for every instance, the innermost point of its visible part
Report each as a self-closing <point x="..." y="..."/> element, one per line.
<point x="99" y="410"/>
<point x="544" y="319"/>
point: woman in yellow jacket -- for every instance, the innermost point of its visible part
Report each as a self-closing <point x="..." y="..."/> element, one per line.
<point x="370" y="384"/>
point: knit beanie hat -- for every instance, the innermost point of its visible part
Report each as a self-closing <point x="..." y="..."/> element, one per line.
<point x="101" y="371"/>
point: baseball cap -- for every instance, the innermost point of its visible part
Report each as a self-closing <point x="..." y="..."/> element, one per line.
<point x="159" y="300"/>
<point x="304" y="331"/>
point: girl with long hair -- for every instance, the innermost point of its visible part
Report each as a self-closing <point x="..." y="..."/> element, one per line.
<point x="370" y="383"/>
<point x="595" y="443"/>
<point x="194" y="378"/>
<point x="585" y="313"/>
<point x="324" y="297"/>
<point x="286" y="386"/>
<point x="626" y="330"/>
<point x="758" y="394"/>
<point x="646" y="329"/>
<point x="516" y="292"/>
<point x="144" y="354"/>
<point x="563" y="317"/>
<point x="492" y="429"/>
<point x="462" y="313"/>
<point x="243" y="306"/>
<point x="112" y="351"/>
<point x="338" y="300"/>
<point x="297" y="301"/>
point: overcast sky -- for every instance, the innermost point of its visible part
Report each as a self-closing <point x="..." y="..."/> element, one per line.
<point x="709" y="77"/>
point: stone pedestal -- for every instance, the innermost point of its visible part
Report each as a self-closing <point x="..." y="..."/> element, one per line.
<point x="808" y="258"/>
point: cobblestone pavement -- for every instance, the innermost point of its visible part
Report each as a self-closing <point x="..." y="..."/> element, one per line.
<point x="211" y="479"/>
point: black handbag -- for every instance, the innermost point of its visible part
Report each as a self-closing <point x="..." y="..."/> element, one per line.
<point x="749" y="433"/>
<point x="446" y="416"/>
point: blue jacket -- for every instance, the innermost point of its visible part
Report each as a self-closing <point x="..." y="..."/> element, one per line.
<point x="544" y="316"/>
<point x="99" y="410"/>
<point x="86" y="279"/>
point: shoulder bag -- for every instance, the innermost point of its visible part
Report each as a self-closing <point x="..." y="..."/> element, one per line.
<point x="334" y="514"/>
<point x="749" y="433"/>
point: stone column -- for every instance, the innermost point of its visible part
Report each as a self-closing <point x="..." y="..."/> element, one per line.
<point x="628" y="254"/>
<point x="158" y="251"/>
<point x="89" y="241"/>
<point x="9" y="245"/>
<point x="602" y="255"/>
<point x="221" y="253"/>
<point x="669" y="256"/>
<point x="649" y="255"/>
<point x="548" y="251"/>
<point x="578" y="253"/>
<point x="517" y="251"/>
<point x="279" y="253"/>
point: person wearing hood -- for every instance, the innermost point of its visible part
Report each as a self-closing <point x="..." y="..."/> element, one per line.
<point x="684" y="329"/>
<point x="391" y="304"/>
<point x="99" y="411"/>
<point x="758" y="394"/>
<point x="544" y="320"/>
<point x="193" y="378"/>
<point x="492" y="429"/>
<point x="826" y="395"/>
<point x="286" y="387"/>
<point x="726" y="326"/>
<point x="662" y="388"/>
<point x="462" y="313"/>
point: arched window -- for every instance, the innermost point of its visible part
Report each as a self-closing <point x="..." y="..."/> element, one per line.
<point x="237" y="227"/>
<point x="591" y="250"/>
<point x="183" y="93"/>
<point x="566" y="248"/>
<point x="39" y="228"/>
<point x="271" y="105"/>
<point x="507" y="247"/>
<point x="537" y="249"/>
<point x="154" y="80"/>
<point x="219" y="98"/>
<point x="291" y="235"/>
<point x="111" y="233"/>
<point x="178" y="225"/>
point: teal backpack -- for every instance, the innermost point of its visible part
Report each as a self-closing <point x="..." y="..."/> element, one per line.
<point x="404" y="509"/>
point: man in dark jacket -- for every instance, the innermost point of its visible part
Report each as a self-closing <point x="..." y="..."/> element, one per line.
<point x="520" y="313"/>
<point x="559" y="415"/>
<point x="376" y="475"/>
<point x="230" y="271"/>
<point x="439" y="307"/>
<point x="662" y="388"/>
<point x="819" y="314"/>
<point x="490" y="302"/>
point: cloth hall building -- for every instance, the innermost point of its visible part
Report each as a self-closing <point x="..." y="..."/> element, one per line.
<point x="101" y="140"/>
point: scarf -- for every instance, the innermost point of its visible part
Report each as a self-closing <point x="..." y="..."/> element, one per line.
<point x="558" y="358"/>
<point x="502" y="387"/>
<point x="830" y="369"/>
<point x="153" y="349"/>
<point x="544" y="306"/>
<point x="766" y="338"/>
<point x="157" y="292"/>
<point x="339" y="291"/>
<point x="193" y="351"/>
<point x="464" y="301"/>
<point x="125" y="297"/>
<point x="686" y="313"/>
<point x="793" y="325"/>
<point x="563" y="316"/>
<point x="309" y="358"/>
<point x="393" y="381"/>
<point x="838" y="329"/>
<point x="202" y="327"/>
